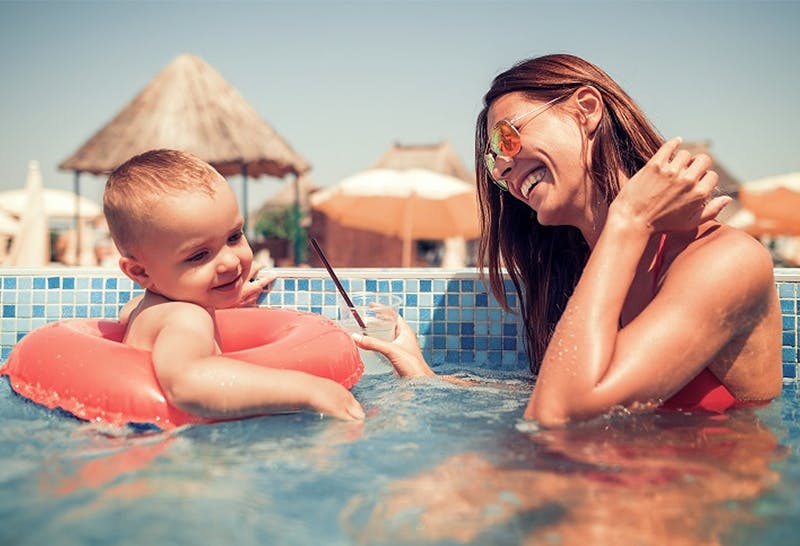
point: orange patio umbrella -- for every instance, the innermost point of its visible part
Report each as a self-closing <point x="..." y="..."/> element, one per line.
<point x="409" y="204"/>
<point x="773" y="204"/>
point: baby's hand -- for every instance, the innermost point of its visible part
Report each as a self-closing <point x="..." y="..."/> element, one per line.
<point x="332" y="399"/>
<point x="258" y="282"/>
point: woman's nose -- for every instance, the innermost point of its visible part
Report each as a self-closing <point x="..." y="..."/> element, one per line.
<point x="502" y="166"/>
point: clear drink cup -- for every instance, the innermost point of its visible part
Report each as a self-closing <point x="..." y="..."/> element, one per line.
<point x="379" y="314"/>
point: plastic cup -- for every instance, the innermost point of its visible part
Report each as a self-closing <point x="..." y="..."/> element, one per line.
<point x="379" y="313"/>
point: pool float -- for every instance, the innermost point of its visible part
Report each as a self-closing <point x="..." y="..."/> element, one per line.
<point x="81" y="365"/>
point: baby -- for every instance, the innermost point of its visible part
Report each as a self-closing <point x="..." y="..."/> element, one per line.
<point x="177" y="225"/>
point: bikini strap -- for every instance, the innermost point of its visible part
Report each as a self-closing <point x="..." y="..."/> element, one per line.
<point x="659" y="260"/>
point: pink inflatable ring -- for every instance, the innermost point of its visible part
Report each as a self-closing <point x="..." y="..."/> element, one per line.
<point x="81" y="366"/>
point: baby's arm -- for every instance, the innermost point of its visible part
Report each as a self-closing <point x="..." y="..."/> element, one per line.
<point x="197" y="380"/>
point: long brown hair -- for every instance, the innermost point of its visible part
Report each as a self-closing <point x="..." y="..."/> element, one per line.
<point x="545" y="262"/>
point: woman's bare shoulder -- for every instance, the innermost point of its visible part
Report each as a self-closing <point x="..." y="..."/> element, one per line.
<point x="735" y="247"/>
<point x="725" y="258"/>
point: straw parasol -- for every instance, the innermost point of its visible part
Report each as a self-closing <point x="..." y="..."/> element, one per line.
<point x="410" y="204"/>
<point x="189" y="106"/>
<point x="441" y="158"/>
<point x="288" y="195"/>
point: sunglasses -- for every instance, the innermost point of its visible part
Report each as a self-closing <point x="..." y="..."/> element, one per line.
<point x="505" y="140"/>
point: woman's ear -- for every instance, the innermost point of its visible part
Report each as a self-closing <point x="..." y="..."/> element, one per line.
<point x="135" y="271"/>
<point x="590" y="108"/>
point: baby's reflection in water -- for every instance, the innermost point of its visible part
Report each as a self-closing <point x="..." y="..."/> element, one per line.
<point x="655" y="479"/>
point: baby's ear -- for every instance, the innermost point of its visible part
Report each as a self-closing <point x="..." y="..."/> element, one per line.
<point x="135" y="271"/>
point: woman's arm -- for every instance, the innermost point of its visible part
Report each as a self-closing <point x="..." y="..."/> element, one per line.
<point x="590" y="365"/>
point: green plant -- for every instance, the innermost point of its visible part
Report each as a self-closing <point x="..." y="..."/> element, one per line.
<point x="277" y="223"/>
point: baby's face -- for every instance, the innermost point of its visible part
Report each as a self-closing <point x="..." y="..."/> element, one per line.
<point x="197" y="250"/>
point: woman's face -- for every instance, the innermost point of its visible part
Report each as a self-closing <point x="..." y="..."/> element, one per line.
<point x="549" y="173"/>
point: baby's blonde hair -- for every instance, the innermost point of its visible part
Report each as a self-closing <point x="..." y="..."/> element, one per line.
<point x="134" y="187"/>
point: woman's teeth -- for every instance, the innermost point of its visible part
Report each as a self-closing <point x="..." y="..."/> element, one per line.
<point x="534" y="178"/>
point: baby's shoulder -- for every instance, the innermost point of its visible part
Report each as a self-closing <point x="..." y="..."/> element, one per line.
<point x="148" y="321"/>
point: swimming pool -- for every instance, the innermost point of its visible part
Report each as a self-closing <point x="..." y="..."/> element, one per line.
<point x="432" y="464"/>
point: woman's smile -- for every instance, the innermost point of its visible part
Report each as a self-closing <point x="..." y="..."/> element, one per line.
<point x="531" y="180"/>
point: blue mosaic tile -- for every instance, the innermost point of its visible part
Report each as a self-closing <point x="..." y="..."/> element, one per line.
<point x="458" y="320"/>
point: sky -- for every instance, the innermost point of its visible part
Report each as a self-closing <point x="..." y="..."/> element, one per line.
<point x="342" y="81"/>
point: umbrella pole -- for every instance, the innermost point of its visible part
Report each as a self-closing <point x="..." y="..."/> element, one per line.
<point x="297" y="230"/>
<point x="407" y="216"/>
<point x="244" y="200"/>
<point x="77" y="186"/>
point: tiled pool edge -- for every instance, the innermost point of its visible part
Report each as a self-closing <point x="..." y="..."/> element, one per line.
<point x="457" y="319"/>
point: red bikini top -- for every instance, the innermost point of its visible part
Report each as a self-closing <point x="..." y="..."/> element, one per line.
<point x="705" y="392"/>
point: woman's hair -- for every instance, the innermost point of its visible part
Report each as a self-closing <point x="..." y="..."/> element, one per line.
<point x="135" y="186"/>
<point x="545" y="262"/>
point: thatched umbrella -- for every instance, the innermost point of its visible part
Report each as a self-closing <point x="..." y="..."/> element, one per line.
<point x="189" y="106"/>
<point x="440" y="158"/>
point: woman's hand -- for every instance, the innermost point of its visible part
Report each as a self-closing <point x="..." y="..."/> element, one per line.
<point x="403" y="352"/>
<point x="671" y="192"/>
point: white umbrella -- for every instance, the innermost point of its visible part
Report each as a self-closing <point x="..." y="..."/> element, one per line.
<point x="31" y="246"/>
<point x="57" y="203"/>
<point x="8" y="224"/>
<point x="410" y="204"/>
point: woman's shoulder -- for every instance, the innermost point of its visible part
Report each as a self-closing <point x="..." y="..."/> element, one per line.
<point x="722" y="254"/>
<point x="733" y="245"/>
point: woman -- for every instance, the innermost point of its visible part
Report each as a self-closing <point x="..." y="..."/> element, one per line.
<point x="630" y="292"/>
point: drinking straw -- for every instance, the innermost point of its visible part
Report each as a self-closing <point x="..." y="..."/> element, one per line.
<point x="339" y="286"/>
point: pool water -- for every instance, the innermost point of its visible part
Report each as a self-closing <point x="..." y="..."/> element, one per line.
<point x="432" y="464"/>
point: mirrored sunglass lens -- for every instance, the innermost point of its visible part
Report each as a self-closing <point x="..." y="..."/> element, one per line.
<point x="505" y="139"/>
<point x="488" y="159"/>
